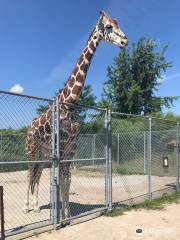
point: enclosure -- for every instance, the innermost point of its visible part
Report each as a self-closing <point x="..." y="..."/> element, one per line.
<point x="120" y="159"/>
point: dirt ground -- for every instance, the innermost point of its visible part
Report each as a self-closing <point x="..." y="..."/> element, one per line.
<point x="87" y="192"/>
<point x="156" y="225"/>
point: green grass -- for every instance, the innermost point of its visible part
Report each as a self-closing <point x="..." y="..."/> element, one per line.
<point x="126" y="170"/>
<point x="155" y="204"/>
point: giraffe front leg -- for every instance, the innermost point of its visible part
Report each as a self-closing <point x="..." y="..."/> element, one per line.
<point x="26" y="201"/>
<point x="66" y="200"/>
<point x="62" y="195"/>
<point x="35" y="203"/>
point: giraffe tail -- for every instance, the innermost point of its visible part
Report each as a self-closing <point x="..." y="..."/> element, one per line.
<point x="35" y="175"/>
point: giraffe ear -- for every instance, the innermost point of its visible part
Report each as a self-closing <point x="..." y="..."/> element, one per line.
<point x="102" y="13"/>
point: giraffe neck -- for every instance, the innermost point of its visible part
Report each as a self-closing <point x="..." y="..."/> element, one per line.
<point x="73" y="87"/>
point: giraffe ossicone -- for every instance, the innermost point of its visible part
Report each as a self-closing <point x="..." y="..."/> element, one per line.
<point x="39" y="132"/>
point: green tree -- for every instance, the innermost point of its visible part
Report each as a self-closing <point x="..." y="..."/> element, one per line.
<point x="134" y="78"/>
<point x="87" y="97"/>
<point x="41" y="109"/>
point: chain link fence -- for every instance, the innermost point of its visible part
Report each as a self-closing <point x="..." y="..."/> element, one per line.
<point x="16" y="114"/>
<point x="97" y="160"/>
<point x="129" y="158"/>
<point x="145" y="158"/>
<point x="164" y="156"/>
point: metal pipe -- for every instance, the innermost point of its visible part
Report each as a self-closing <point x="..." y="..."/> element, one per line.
<point x="140" y="116"/>
<point x="85" y="159"/>
<point x="107" y="162"/>
<point x="145" y="152"/>
<point x="84" y="214"/>
<point x="118" y="151"/>
<point x="177" y="156"/>
<point x="26" y="96"/>
<point x="53" y="163"/>
<point x="93" y="148"/>
<point x="110" y="159"/>
<point x="58" y="160"/>
<point x="128" y="114"/>
<point x="82" y="106"/>
<point x="1" y="154"/>
<point x="149" y="160"/>
<point x="2" y="213"/>
<point x="16" y="162"/>
<point x="30" y="228"/>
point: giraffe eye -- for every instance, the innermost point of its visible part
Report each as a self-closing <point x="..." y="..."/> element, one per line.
<point x="108" y="26"/>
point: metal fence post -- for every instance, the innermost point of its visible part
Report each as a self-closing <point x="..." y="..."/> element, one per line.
<point x="1" y="151"/>
<point x="145" y="162"/>
<point x="107" y="162"/>
<point x="58" y="162"/>
<point x="110" y="159"/>
<point x="2" y="213"/>
<point x="93" y="147"/>
<point x="118" y="151"/>
<point x="150" y="160"/>
<point x="58" y="159"/>
<point x="53" y="177"/>
<point x="177" y="156"/>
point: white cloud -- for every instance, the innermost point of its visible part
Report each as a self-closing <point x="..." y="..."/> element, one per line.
<point x="162" y="79"/>
<point x="17" y="88"/>
<point x="173" y="76"/>
<point x="165" y="78"/>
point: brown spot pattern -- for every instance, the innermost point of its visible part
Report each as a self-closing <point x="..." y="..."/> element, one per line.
<point x="65" y="91"/>
<point x="81" y="59"/>
<point x="88" y="56"/>
<point x="84" y="67"/>
<point x="91" y="45"/>
<point x="80" y="78"/>
<point x="71" y="82"/>
<point x="43" y="119"/>
<point x="36" y="123"/>
<point x="76" y="89"/>
<point x="75" y="71"/>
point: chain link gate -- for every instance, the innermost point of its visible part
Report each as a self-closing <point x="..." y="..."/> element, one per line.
<point x="88" y="189"/>
<point x="81" y="176"/>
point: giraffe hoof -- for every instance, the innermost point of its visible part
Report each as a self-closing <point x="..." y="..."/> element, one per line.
<point x="37" y="210"/>
<point x="25" y="211"/>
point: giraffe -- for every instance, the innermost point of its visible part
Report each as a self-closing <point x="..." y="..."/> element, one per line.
<point x="39" y="132"/>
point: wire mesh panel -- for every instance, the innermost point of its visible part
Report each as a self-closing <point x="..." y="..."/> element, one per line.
<point x="129" y="158"/>
<point x="16" y="115"/>
<point x="82" y="161"/>
<point x="163" y="156"/>
<point x="15" y="187"/>
<point x="73" y="161"/>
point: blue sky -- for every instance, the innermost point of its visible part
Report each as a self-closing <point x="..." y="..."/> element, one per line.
<point x="41" y="41"/>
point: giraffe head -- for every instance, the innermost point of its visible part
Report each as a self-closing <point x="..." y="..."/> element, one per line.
<point x="110" y="31"/>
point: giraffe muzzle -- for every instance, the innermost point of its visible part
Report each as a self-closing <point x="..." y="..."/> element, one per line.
<point x="123" y="42"/>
